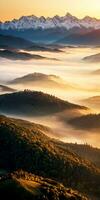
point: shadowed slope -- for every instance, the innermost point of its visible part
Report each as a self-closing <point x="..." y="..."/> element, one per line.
<point x="86" y="122"/>
<point x="24" y="146"/>
<point x="30" y="103"/>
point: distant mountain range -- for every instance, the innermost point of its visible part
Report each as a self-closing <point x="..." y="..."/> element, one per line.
<point x="68" y="22"/>
<point x="57" y="30"/>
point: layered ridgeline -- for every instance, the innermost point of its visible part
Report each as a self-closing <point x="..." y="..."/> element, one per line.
<point x="12" y="42"/>
<point x="25" y="146"/>
<point x="41" y="80"/>
<point x="56" y="29"/>
<point x="31" y="187"/>
<point x="33" y="103"/>
<point x="83" y="38"/>
<point x="17" y="55"/>
<point x="7" y="41"/>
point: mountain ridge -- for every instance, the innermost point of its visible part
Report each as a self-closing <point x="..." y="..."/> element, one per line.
<point x="35" y="104"/>
<point x="68" y="22"/>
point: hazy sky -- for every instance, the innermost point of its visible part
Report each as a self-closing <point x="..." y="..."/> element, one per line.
<point x="15" y="8"/>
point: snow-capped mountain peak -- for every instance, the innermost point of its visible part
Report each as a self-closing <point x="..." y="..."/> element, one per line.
<point x="68" y="22"/>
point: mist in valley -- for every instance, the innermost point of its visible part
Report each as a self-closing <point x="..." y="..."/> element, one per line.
<point x="73" y="81"/>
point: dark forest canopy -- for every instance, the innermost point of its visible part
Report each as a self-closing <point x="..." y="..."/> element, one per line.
<point x="30" y="103"/>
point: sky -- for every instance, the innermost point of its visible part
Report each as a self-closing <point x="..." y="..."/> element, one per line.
<point x="10" y="9"/>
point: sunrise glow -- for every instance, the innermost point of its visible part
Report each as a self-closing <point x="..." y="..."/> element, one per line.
<point x="10" y="9"/>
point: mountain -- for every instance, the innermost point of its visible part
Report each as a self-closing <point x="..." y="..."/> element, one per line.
<point x="93" y="101"/>
<point x="86" y="151"/>
<point x="92" y="58"/>
<point x="86" y="122"/>
<point x="7" y="41"/>
<point x="12" y="42"/>
<point x="38" y="36"/>
<point x="68" y="22"/>
<point x="60" y="30"/>
<point x="22" y="185"/>
<point x="41" y="80"/>
<point x="17" y="55"/>
<point x="33" y="103"/>
<point x="4" y="88"/>
<point x="25" y="146"/>
<point x="46" y="48"/>
<point x="81" y="38"/>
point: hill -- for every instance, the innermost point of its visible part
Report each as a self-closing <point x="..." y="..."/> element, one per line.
<point x="8" y="41"/>
<point x="42" y="80"/>
<point x="93" y="101"/>
<point x="46" y="48"/>
<point x="86" y="122"/>
<point x="4" y="88"/>
<point x="33" y="103"/>
<point x="92" y="58"/>
<point x="86" y="151"/>
<point x="91" y="37"/>
<point x="17" y="55"/>
<point x="25" y="146"/>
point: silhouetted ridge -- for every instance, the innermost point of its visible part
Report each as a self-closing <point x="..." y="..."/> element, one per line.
<point x="9" y="41"/>
<point x="33" y="103"/>
<point x="17" y="55"/>
<point x="89" y="122"/>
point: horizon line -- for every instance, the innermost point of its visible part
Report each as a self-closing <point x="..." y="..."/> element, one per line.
<point x="46" y="17"/>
